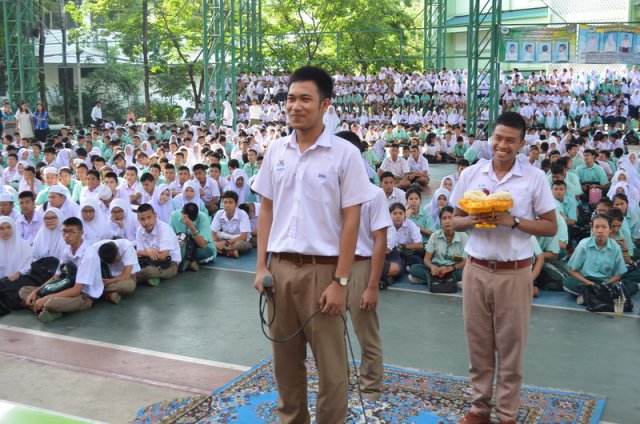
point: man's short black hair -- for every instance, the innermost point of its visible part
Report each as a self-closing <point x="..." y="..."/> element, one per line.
<point x="615" y="213"/>
<point x="601" y="216"/>
<point x="512" y="120"/>
<point x="94" y="173"/>
<point x="319" y="76"/>
<point x="351" y="137"/>
<point x="27" y="195"/>
<point x="199" y="167"/>
<point x="557" y="169"/>
<point x="230" y="194"/>
<point x="108" y="252"/>
<point x="132" y="168"/>
<point x="215" y="165"/>
<point x="559" y="183"/>
<point x="147" y="177"/>
<point x="184" y="168"/>
<point x="73" y="222"/>
<point x="445" y="209"/>
<point x="145" y="207"/>
<point x="385" y="175"/>
<point x="233" y="163"/>
<point x="191" y="210"/>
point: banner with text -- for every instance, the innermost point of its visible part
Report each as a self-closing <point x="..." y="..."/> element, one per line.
<point x="538" y="45"/>
<point x="609" y="44"/>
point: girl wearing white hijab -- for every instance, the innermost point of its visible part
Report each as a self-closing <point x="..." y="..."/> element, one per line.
<point x="146" y="148"/>
<point x="128" y="154"/>
<point x="439" y="200"/>
<point x="190" y="194"/>
<point x="63" y="158"/>
<point x="123" y="224"/>
<point x="240" y="184"/>
<point x="94" y="224"/>
<point x="585" y="121"/>
<point x="331" y="119"/>
<point x="49" y="241"/>
<point x="16" y="253"/>
<point x="162" y="204"/>
<point x="227" y="114"/>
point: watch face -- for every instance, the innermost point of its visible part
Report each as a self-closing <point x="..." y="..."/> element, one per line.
<point x="344" y="281"/>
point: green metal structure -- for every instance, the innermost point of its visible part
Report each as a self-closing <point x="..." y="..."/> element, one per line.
<point x="232" y="31"/>
<point x="483" y="81"/>
<point x="435" y="34"/>
<point x="20" y="23"/>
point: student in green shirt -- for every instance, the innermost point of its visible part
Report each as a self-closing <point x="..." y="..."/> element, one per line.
<point x="415" y="213"/>
<point x="591" y="174"/>
<point x="251" y="167"/>
<point x="459" y="149"/>
<point x="597" y="260"/>
<point x="444" y="253"/>
<point x="195" y="226"/>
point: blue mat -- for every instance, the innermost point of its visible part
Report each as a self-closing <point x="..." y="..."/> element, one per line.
<point x="408" y="396"/>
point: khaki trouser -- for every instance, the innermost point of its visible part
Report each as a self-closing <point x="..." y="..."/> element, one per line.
<point x="123" y="287"/>
<point x="60" y="304"/>
<point x="298" y="290"/>
<point x="242" y="246"/>
<point x="155" y="272"/>
<point x="497" y="307"/>
<point x="366" y="326"/>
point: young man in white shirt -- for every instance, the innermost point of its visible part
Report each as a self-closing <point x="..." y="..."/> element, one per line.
<point x="231" y="228"/>
<point x="397" y="166"/>
<point x="31" y="220"/>
<point x="393" y="194"/>
<point x="88" y="285"/>
<point x="210" y="192"/>
<point x="130" y="190"/>
<point x="120" y="255"/>
<point x="312" y="182"/>
<point x="418" y="167"/>
<point x="497" y="280"/>
<point x="158" y="248"/>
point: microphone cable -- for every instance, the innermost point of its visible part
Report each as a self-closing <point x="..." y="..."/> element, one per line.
<point x="267" y="282"/>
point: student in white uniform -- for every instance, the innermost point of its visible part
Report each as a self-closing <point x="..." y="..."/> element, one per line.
<point x="311" y="181"/>
<point x="88" y="285"/>
<point x="120" y="255"/>
<point x="497" y="280"/>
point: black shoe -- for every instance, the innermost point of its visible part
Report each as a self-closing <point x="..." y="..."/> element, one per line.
<point x="383" y="285"/>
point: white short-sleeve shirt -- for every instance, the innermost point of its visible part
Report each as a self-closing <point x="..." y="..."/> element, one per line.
<point x="239" y="223"/>
<point x="420" y="165"/>
<point x="397" y="168"/>
<point x="88" y="263"/>
<point x="210" y="189"/>
<point x="374" y="216"/>
<point x="408" y="233"/>
<point x="128" y="256"/>
<point x="309" y="191"/>
<point x="397" y="196"/>
<point x="161" y="238"/>
<point x="532" y="197"/>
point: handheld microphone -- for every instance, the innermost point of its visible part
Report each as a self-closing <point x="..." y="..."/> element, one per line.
<point x="267" y="281"/>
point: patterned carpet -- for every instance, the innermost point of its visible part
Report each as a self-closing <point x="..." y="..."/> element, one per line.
<point x="409" y="397"/>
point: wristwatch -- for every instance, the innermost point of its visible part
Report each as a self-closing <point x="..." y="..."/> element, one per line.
<point x="516" y="222"/>
<point x="342" y="281"/>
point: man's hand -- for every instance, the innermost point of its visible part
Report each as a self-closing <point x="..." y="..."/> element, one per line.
<point x="188" y="223"/>
<point x="108" y="281"/>
<point x="39" y="304"/>
<point x="31" y="300"/>
<point x="152" y="253"/>
<point x="435" y="270"/>
<point x="369" y="299"/>
<point x="333" y="299"/>
<point x="260" y="274"/>
<point x="14" y="277"/>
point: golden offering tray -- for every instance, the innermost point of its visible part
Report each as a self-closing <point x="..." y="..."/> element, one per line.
<point x="485" y="206"/>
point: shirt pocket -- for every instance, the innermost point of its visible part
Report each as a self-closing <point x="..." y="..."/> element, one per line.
<point x="321" y="184"/>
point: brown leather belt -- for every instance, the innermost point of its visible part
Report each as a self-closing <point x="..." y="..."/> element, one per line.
<point x="301" y="259"/>
<point x="497" y="265"/>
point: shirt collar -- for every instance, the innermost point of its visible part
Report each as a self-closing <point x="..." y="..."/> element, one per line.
<point x="456" y="236"/>
<point x="233" y="218"/>
<point x="325" y="140"/>
<point x="80" y="250"/>
<point x="592" y="243"/>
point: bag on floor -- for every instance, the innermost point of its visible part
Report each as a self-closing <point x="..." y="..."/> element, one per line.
<point x="66" y="280"/>
<point x="552" y="275"/>
<point x="601" y="297"/>
<point x="447" y="284"/>
<point x="43" y="269"/>
<point x="146" y="261"/>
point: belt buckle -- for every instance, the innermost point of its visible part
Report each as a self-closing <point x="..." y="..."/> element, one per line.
<point x="493" y="265"/>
